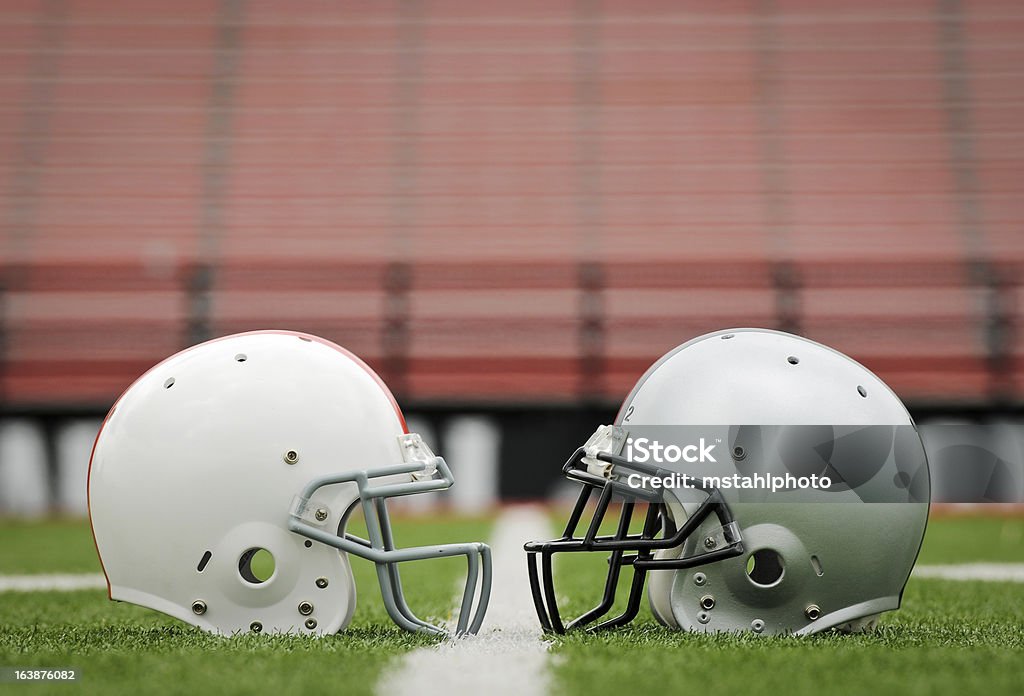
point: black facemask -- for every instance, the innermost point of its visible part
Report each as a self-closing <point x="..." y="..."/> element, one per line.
<point x="624" y="549"/>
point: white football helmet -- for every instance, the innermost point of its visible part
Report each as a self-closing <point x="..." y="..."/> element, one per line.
<point x="258" y="445"/>
<point x="722" y="558"/>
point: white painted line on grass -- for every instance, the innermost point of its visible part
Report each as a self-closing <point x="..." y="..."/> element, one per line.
<point x="993" y="572"/>
<point x="52" y="583"/>
<point x="509" y="656"/>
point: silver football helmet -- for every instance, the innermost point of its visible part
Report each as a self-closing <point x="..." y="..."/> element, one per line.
<point x="723" y="557"/>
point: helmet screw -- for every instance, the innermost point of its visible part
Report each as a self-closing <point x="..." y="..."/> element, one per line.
<point x="703" y="617"/>
<point x="321" y="583"/>
<point x="812" y="612"/>
<point x="199" y="607"/>
<point x="305" y="608"/>
<point x="311" y="624"/>
<point x="738" y="453"/>
<point x="757" y="625"/>
<point x="291" y="457"/>
<point x="710" y="543"/>
<point x="700" y="579"/>
<point x="320" y="514"/>
<point x="707" y="602"/>
<point x="256" y="627"/>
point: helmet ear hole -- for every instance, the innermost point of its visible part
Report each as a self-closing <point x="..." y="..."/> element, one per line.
<point x="256" y="566"/>
<point x="765" y="567"/>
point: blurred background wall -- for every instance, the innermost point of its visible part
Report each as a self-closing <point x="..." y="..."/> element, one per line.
<point x="508" y="209"/>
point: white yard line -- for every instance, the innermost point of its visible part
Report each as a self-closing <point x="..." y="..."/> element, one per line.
<point x="52" y="583"/>
<point x="998" y="572"/>
<point x="509" y="656"/>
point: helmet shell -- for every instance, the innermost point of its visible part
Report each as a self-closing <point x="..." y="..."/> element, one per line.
<point x="196" y="467"/>
<point x="842" y="562"/>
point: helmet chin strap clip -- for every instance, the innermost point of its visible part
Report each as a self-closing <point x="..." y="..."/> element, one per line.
<point x="316" y="514"/>
<point x="415" y="451"/>
<point x="606" y="440"/>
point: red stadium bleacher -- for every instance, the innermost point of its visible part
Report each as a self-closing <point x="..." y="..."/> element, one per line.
<point x="499" y="203"/>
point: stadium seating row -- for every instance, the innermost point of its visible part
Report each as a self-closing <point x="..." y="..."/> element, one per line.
<point x="495" y="203"/>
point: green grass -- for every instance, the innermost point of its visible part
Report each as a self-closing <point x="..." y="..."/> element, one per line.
<point x="121" y="648"/>
<point x="58" y="546"/>
<point x="973" y="540"/>
<point x="949" y="637"/>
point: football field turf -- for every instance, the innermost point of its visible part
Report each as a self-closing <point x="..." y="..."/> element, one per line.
<point x="951" y="637"/>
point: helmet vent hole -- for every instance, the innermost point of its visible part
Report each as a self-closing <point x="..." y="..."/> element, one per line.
<point x="203" y="561"/>
<point x="765" y="567"/>
<point x="793" y="360"/>
<point x="169" y="383"/>
<point x="241" y="357"/>
<point x="862" y="391"/>
<point x="256" y="566"/>
<point x="307" y="339"/>
<point x="728" y="336"/>
<point x="816" y="564"/>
